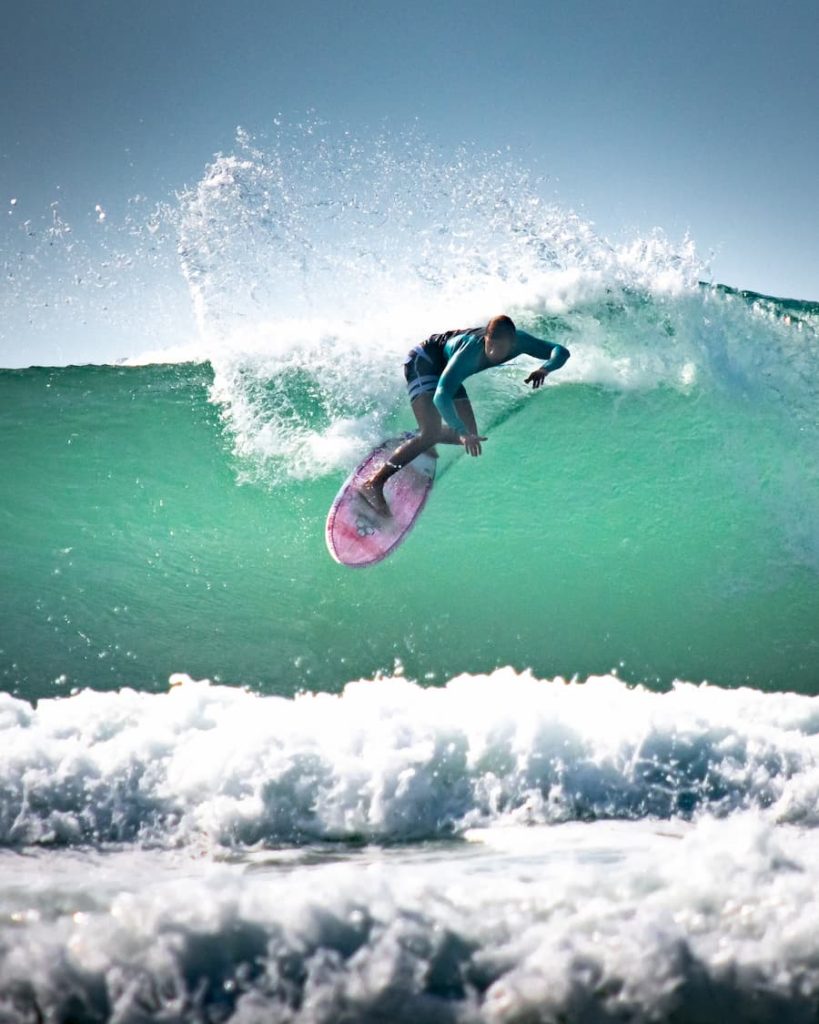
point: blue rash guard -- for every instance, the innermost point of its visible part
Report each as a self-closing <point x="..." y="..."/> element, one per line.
<point x="457" y="355"/>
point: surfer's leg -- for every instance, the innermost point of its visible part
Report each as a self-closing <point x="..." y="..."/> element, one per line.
<point x="430" y="432"/>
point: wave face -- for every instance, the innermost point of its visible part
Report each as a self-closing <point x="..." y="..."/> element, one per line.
<point x="654" y="510"/>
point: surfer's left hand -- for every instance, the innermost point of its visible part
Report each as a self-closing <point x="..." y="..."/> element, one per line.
<point x="536" y="378"/>
<point x="472" y="443"/>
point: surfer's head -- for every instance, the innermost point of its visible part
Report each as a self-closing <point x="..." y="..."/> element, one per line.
<point x="499" y="337"/>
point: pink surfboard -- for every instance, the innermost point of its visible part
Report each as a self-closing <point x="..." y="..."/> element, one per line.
<point x="356" y="534"/>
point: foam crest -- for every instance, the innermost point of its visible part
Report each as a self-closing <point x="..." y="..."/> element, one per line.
<point x="391" y="761"/>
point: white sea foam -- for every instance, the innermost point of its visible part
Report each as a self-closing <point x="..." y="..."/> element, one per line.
<point x="584" y="922"/>
<point x="631" y="854"/>
<point x="389" y="760"/>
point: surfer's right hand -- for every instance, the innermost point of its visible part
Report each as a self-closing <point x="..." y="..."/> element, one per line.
<point x="472" y="443"/>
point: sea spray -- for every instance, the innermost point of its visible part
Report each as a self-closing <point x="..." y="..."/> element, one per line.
<point x="315" y="261"/>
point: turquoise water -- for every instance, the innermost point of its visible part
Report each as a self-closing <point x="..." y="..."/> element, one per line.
<point x="555" y="759"/>
<point x="663" y="532"/>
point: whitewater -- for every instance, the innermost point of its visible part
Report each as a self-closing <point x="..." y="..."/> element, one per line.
<point x="554" y="760"/>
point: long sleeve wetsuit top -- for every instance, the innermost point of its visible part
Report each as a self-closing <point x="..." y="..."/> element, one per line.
<point x="465" y="356"/>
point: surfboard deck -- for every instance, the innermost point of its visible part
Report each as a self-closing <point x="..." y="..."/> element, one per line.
<point x="356" y="535"/>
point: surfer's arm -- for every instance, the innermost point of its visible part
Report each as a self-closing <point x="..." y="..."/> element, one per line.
<point x="553" y="354"/>
<point x="444" y="398"/>
<point x="466" y="412"/>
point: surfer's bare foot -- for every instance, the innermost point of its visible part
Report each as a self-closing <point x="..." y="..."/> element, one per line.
<point x="433" y="451"/>
<point x="373" y="494"/>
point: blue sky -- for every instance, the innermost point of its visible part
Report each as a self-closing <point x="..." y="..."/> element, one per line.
<point x="697" y="117"/>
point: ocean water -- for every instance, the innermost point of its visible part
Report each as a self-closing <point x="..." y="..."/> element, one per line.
<point x="556" y="759"/>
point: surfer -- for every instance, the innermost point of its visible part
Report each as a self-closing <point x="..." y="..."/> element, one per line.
<point x="435" y="371"/>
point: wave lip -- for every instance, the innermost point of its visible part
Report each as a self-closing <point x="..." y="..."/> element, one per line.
<point x="388" y="761"/>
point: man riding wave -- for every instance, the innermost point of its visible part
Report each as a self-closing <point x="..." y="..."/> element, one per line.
<point x="435" y="371"/>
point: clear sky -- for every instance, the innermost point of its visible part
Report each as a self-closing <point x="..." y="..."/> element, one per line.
<point x="694" y="116"/>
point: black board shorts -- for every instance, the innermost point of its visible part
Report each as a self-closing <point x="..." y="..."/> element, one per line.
<point x="423" y="368"/>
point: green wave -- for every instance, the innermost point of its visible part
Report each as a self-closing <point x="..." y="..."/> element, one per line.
<point x="662" y="532"/>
